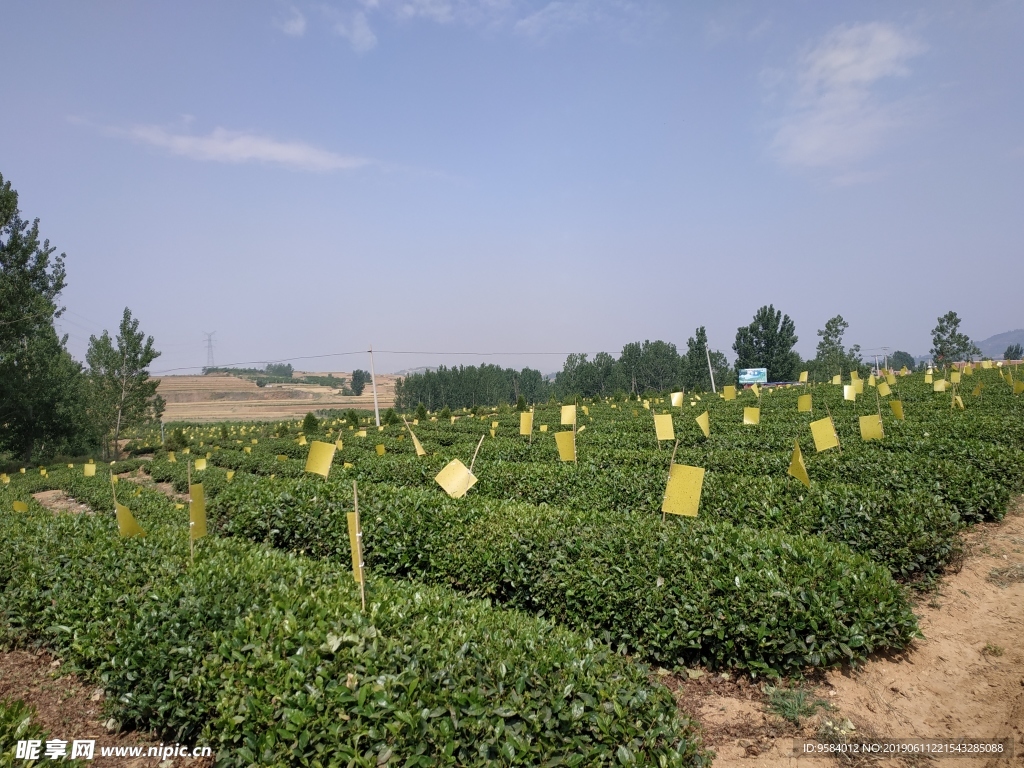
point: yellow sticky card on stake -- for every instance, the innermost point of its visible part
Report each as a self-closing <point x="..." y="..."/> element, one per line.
<point x="231" y="475"/>
<point x="320" y="458"/>
<point x="247" y="449"/>
<point x="977" y="389"/>
<point x="890" y="379"/>
<point x="752" y="416"/>
<point x="586" y="410"/>
<point x="171" y="458"/>
<point x="871" y="427"/>
<point x="803" y="404"/>
<point x="958" y="401"/>
<point x="858" y="386"/>
<point x="647" y="405"/>
<point x="127" y="526"/>
<point x="492" y="432"/>
<point x="186" y="450"/>
<point x="803" y="377"/>
<point x="824" y="433"/>
<point x="797" y="468"/>
<point x="416" y="444"/>
<point x="883" y="389"/>
<point x="954" y="377"/>
<point x="849" y="393"/>
<point x="677" y="399"/>
<point x="197" y="511"/>
<point x="282" y="457"/>
<point x="927" y="378"/>
<point x="114" y="479"/>
<point x="682" y="492"/>
<point x="566" y="442"/>
<point x="704" y="422"/>
<point x="456" y="479"/>
<point x="755" y="390"/>
<point x="200" y="465"/>
<point x="301" y="440"/>
<point x="897" y="409"/>
<point x="1018" y="387"/>
<point x="89" y="470"/>
<point x="729" y="392"/>
<point x="254" y="441"/>
<point x="20" y="506"/>
<point x="568" y="414"/>
<point x="361" y="433"/>
<point x="939" y="386"/>
<point x="380" y="449"/>
<point x="525" y="423"/>
<point x="837" y="379"/>
<point x="872" y="381"/>
<point x="663" y="428"/>
<point x="494" y="425"/>
<point x="854" y="375"/>
<point x="543" y="427"/>
<point x="4" y="478"/>
<point x="355" y="544"/>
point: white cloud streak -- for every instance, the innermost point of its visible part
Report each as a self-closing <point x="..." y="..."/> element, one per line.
<point x="294" y="26"/>
<point x="224" y="146"/>
<point x="836" y="117"/>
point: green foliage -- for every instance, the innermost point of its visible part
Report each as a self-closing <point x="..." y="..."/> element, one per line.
<point x="421" y="412"/>
<point x="768" y="343"/>
<point x="832" y="357"/>
<point x="18" y="723"/>
<point x="464" y="386"/>
<point x="793" y="703"/>
<point x="446" y="413"/>
<point x="360" y="379"/>
<point x="1014" y="352"/>
<point x="391" y="418"/>
<point x="521" y="404"/>
<point x="310" y="423"/>
<point x="352" y="418"/>
<point x="281" y="370"/>
<point x="900" y="359"/>
<point x="949" y="345"/>
<point x="696" y="377"/>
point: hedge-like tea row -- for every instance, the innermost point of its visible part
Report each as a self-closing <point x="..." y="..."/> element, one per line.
<point x="685" y="592"/>
<point x="267" y="656"/>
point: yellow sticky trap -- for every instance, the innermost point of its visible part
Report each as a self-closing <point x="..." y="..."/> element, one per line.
<point x="348" y="465"/>
<point x="647" y="405"/>
<point x="958" y="401"/>
<point x="282" y="457"/>
<point x="200" y="465"/>
<point x="179" y="506"/>
<point x="803" y="404"/>
<point x="824" y="433"/>
<point x="492" y="432"/>
<point x="197" y="511"/>
<point x="854" y="375"/>
<point x="171" y="458"/>
<point x="4" y="478"/>
<point x="968" y="370"/>
<point x="586" y="410"/>
<point x="525" y="424"/>
<point x="581" y="429"/>
<point x="71" y="466"/>
<point x="797" y="468"/>
<point x="696" y="397"/>
<point x="494" y="425"/>
<point x="954" y="377"/>
<point x="897" y="409"/>
<point x="20" y="506"/>
<point x="417" y="446"/>
<point x="755" y="390"/>
<point x="566" y="442"/>
<point x="883" y="389"/>
<point x="803" y="377"/>
<point x="361" y="433"/>
<point x="355" y="544"/>
<point x="677" y="399"/>
<point x="114" y="479"/>
<point x="977" y="389"/>
<point x="729" y="392"/>
<point x="1018" y="387"/>
<point x="849" y="393"/>
<point x="380" y="429"/>
<point x="837" y="379"/>
<point x="872" y="381"/>
<point x="543" y="427"/>
<point x="682" y="492"/>
<point x="927" y="378"/>
<point x="186" y="450"/>
<point x="858" y="386"/>
<point x="127" y="526"/>
<point x="254" y="441"/>
<point x="568" y="414"/>
<point x="456" y="479"/>
<point x="380" y="449"/>
<point x="454" y="418"/>
<point x="939" y="386"/>
<point x="247" y="449"/>
<point x="871" y="427"/>
<point x="301" y="440"/>
<point x="704" y="422"/>
<point x="231" y="475"/>
<point x="752" y="416"/>
<point x="89" y="470"/>
<point x="320" y="458"/>
<point x="663" y="428"/>
<point x="890" y="379"/>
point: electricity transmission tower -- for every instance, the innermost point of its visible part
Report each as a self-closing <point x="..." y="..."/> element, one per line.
<point x="209" y="348"/>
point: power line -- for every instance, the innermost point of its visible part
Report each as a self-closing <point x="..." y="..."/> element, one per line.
<point x="209" y="348"/>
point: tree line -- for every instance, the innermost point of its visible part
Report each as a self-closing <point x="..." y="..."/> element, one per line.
<point x="469" y="386"/>
<point x="51" y="404"/>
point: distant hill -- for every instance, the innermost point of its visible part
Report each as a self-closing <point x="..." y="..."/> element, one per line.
<point x="994" y="346"/>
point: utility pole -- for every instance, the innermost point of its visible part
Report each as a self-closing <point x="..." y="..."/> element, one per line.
<point x="373" y="383"/>
<point x="707" y="351"/>
<point x="885" y="357"/>
<point x="209" y="348"/>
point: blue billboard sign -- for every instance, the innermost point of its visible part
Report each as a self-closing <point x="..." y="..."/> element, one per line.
<point x="753" y="376"/>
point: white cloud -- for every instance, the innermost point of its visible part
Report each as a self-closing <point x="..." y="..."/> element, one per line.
<point x="356" y="29"/>
<point x="224" y="146"/>
<point x="836" y="118"/>
<point x="295" y="26"/>
<point x="554" y="17"/>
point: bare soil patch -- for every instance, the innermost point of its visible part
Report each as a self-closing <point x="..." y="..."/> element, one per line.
<point x="139" y="477"/>
<point x="964" y="679"/>
<point x="69" y="708"/>
<point x="58" y="501"/>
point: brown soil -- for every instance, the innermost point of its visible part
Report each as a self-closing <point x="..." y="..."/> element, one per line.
<point x="70" y="708"/>
<point x="965" y="679"/>
<point x="58" y="501"/>
<point x="139" y="477"/>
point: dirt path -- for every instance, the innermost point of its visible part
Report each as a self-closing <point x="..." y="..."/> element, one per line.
<point x="965" y="679"/>
<point x="71" y="709"/>
<point x="58" y="501"/>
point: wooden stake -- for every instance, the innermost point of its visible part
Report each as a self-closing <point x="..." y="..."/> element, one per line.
<point x="471" y="463"/>
<point x="657" y="442"/>
<point x="670" y="463"/>
<point x="359" y="545"/>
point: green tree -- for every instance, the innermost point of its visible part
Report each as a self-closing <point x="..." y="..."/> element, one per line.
<point x="949" y="345"/>
<point x="831" y="356"/>
<point x="421" y="412"/>
<point x="122" y="395"/>
<point x="768" y="343"/>
<point x="360" y="379"/>
<point x="695" y="364"/>
<point x="520" y="403"/>
<point x="40" y="384"/>
<point x="900" y="359"/>
<point x="310" y="423"/>
<point x="1014" y="352"/>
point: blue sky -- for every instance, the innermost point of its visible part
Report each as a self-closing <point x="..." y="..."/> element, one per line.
<point x="517" y="176"/>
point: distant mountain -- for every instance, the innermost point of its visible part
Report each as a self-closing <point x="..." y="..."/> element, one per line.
<point x="994" y="346"/>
